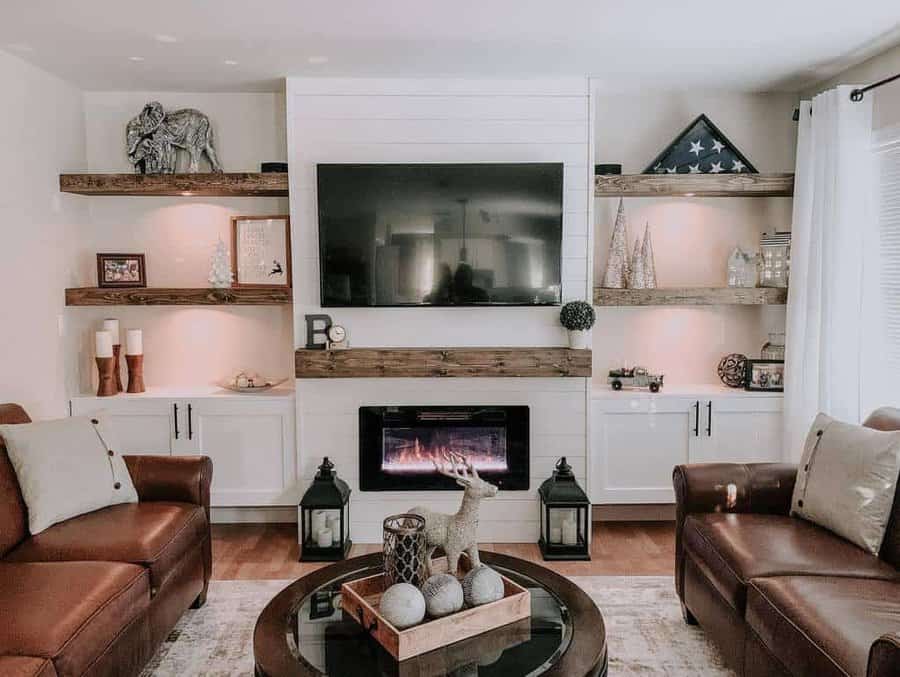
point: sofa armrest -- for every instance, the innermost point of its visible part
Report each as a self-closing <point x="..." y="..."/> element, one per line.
<point x="172" y="478"/>
<point x="884" y="656"/>
<point x="728" y="487"/>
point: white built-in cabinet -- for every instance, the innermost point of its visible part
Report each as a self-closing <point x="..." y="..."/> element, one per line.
<point x="250" y="438"/>
<point x="638" y="438"/>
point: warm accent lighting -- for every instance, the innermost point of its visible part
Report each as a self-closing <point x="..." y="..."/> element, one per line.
<point x="230" y="62"/>
<point x="187" y="193"/>
<point x="136" y="59"/>
<point x="689" y="194"/>
<point x="318" y="59"/>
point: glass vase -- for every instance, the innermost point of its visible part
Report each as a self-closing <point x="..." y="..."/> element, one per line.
<point x="773" y="349"/>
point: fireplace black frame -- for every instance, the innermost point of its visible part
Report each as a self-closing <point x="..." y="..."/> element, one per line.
<point x="372" y="421"/>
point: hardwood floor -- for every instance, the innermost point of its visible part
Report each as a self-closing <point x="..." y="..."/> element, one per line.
<point x="270" y="551"/>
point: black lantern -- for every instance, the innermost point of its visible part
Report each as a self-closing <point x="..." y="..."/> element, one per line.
<point x="325" y="517"/>
<point x="565" y="516"/>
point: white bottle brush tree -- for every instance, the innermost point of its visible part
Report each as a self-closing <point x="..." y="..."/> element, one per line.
<point x="220" y="275"/>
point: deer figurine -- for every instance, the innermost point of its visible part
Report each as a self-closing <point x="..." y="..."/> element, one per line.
<point x="456" y="533"/>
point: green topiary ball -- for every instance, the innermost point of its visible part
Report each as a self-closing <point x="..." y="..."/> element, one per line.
<point x="577" y="316"/>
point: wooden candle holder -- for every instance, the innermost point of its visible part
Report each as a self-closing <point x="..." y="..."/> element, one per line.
<point x="117" y="350"/>
<point x="135" y="373"/>
<point x="105" y="369"/>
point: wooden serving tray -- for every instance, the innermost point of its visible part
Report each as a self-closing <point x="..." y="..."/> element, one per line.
<point x="360" y="600"/>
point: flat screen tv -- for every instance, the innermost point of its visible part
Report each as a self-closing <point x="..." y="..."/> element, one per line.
<point x="440" y="234"/>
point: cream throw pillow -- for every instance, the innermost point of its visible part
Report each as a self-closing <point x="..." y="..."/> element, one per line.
<point x="66" y="468"/>
<point x="847" y="479"/>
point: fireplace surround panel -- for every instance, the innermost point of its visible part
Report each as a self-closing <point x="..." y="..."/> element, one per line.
<point x="399" y="444"/>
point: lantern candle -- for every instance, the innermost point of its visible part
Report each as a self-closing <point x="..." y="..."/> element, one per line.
<point x="569" y="533"/>
<point x="556" y="534"/>
<point x="323" y="538"/>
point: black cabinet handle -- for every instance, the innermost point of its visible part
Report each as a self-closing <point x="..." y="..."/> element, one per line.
<point x="190" y="423"/>
<point x="709" y="419"/>
<point x="697" y="419"/>
<point x="175" y="409"/>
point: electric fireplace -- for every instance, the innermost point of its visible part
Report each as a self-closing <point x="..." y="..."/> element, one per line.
<point x="398" y="445"/>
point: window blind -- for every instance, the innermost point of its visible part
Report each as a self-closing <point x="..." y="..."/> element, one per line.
<point x="887" y="153"/>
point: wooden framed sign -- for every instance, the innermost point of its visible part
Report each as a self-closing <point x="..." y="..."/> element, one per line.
<point x="261" y="251"/>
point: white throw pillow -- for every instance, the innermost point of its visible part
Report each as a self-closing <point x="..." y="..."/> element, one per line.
<point x="847" y="479"/>
<point x="66" y="468"/>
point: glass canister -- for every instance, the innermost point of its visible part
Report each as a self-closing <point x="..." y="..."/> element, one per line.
<point x="775" y="259"/>
<point x="773" y="349"/>
<point x="404" y="549"/>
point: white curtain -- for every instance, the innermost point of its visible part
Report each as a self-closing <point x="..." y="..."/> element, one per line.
<point x="832" y="300"/>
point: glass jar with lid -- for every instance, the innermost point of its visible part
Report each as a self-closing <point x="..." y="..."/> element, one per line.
<point x="775" y="259"/>
<point x="773" y="349"/>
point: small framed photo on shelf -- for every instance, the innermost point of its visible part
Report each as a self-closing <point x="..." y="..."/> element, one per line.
<point x="261" y="251"/>
<point x="121" y="270"/>
<point x="764" y="376"/>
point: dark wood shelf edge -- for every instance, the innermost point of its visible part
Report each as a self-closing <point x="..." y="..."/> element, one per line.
<point x="690" y="296"/>
<point x="694" y="185"/>
<point x="229" y="184"/>
<point x="172" y="296"/>
<point x="541" y="362"/>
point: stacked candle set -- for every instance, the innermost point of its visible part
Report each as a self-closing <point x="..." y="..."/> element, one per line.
<point x="107" y="350"/>
<point x="326" y="527"/>
<point x="564" y="528"/>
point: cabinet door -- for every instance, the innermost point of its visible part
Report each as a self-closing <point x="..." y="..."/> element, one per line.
<point x="742" y="430"/>
<point x="143" y="426"/>
<point x="251" y="443"/>
<point x="636" y="442"/>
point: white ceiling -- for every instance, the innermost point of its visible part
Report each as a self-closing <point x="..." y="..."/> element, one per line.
<point x="232" y="45"/>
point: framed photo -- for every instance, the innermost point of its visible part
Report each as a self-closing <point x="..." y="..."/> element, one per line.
<point x="764" y="376"/>
<point x="261" y="251"/>
<point x="121" y="270"/>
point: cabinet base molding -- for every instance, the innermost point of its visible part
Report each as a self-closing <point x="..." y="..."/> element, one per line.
<point x="637" y="512"/>
<point x="268" y="515"/>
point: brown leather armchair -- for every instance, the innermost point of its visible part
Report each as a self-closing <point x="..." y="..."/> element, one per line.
<point x="97" y="594"/>
<point x="779" y="595"/>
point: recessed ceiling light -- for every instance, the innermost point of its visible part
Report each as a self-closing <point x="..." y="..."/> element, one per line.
<point x="135" y="58"/>
<point x="165" y="38"/>
<point x="230" y="62"/>
<point x="20" y="47"/>
<point x="318" y="59"/>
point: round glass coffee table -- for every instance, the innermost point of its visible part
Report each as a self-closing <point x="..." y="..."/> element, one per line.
<point x="303" y="632"/>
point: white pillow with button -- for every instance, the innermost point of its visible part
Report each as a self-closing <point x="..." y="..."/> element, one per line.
<point x="67" y="467"/>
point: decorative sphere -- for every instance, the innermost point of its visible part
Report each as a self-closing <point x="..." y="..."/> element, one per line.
<point x="443" y="595"/>
<point x="402" y="605"/>
<point x="731" y="370"/>
<point x="482" y="585"/>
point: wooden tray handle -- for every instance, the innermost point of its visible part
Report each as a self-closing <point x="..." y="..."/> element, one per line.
<point x="373" y="626"/>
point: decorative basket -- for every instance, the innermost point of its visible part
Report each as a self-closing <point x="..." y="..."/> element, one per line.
<point x="404" y="549"/>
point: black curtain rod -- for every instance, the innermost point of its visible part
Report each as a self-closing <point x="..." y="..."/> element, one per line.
<point x="857" y="95"/>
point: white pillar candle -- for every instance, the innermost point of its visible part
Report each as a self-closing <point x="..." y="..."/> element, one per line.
<point x="323" y="538"/>
<point x="103" y="344"/>
<point x="333" y="522"/>
<point x="318" y="522"/>
<point x="112" y="326"/>
<point x="556" y="534"/>
<point x="569" y="533"/>
<point x="134" y="342"/>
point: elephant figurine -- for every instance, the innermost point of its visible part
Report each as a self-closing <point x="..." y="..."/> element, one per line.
<point x="153" y="137"/>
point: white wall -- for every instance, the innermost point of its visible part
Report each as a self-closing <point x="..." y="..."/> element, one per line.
<point x="691" y="237"/>
<point x="183" y="346"/>
<point x="41" y="134"/>
<point x="346" y="120"/>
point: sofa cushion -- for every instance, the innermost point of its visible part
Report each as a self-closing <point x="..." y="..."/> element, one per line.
<point x="13" y="515"/>
<point x="730" y="549"/>
<point x="26" y="666"/>
<point x="156" y="535"/>
<point x="67" y="467"/>
<point x="69" y="612"/>
<point x="822" y="625"/>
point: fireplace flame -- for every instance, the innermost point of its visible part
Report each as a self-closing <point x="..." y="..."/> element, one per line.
<point x="401" y="455"/>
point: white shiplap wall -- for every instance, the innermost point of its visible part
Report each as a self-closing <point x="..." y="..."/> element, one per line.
<point x="443" y="120"/>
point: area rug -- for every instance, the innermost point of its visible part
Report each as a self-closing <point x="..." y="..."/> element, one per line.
<point x="644" y="630"/>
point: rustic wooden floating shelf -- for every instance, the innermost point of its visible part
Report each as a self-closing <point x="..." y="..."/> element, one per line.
<point x="442" y="362"/>
<point x="166" y="296"/>
<point x="690" y="296"/>
<point x="241" y="184"/>
<point x="694" y="185"/>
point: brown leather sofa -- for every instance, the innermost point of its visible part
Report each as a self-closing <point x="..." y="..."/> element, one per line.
<point x="780" y="595"/>
<point x="96" y="594"/>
